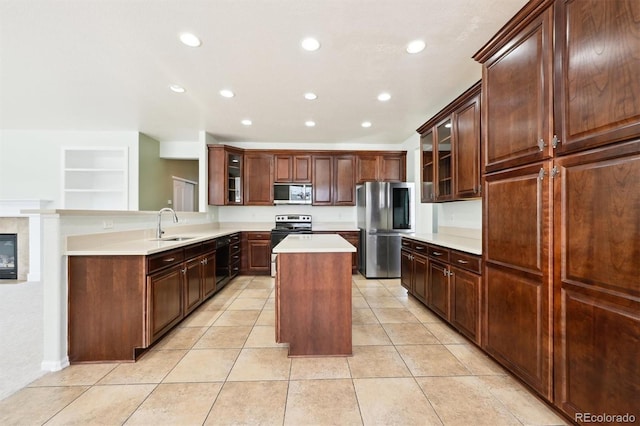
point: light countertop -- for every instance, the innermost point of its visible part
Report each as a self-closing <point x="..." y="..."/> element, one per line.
<point x="467" y="245"/>
<point x="314" y="243"/>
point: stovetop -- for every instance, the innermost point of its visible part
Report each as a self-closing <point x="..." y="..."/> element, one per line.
<point x="292" y="223"/>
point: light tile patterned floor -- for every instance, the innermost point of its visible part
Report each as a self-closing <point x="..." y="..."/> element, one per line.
<point x="223" y="366"/>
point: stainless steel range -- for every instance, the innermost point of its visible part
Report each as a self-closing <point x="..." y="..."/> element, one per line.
<point x="284" y="225"/>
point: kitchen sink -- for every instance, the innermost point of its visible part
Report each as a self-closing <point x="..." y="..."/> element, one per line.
<point x="173" y="239"/>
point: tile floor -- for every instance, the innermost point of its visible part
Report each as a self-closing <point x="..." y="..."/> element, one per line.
<point x="222" y="366"/>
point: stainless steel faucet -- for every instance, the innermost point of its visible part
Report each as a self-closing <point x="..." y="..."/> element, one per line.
<point x="159" y="231"/>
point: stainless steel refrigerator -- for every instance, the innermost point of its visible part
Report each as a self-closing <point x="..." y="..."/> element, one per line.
<point x="385" y="212"/>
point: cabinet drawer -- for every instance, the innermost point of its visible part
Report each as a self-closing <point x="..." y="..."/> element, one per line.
<point x="259" y="235"/>
<point x="193" y="250"/>
<point x="437" y="252"/>
<point x="209" y="246"/>
<point x="465" y="261"/>
<point x="234" y="238"/>
<point x="162" y="260"/>
<point x="420" y="247"/>
<point x="407" y="244"/>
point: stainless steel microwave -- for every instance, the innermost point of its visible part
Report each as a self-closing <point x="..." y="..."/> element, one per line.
<point x="292" y="193"/>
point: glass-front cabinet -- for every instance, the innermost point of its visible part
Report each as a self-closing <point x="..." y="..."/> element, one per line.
<point x="426" y="147"/>
<point x="234" y="178"/>
<point x="443" y="154"/>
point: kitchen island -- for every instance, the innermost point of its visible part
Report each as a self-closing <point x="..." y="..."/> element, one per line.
<point x="313" y="294"/>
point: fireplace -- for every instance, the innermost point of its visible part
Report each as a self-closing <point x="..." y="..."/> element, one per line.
<point x="9" y="256"/>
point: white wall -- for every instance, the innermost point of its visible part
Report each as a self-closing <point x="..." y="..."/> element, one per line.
<point x="30" y="162"/>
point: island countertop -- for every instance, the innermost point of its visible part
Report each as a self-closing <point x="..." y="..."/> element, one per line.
<point x="314" y="243"/>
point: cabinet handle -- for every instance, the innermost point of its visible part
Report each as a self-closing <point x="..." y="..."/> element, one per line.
<point x="541" y="144"/>
<point x="169" y="259"/>
<point x="184" y="271"/>
<point x="541" y="174"/>
<point x="419" y="248"/>
<point x="555" y="141"/>
<point x="236" y="257"/>
<point x="436" y="253"/>
<point x="445" y="272"/>
<point x="464" y="262"/>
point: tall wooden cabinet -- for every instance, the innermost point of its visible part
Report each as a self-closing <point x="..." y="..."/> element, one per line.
<point x="561" y="153"/>
<point x="258" y="183"/>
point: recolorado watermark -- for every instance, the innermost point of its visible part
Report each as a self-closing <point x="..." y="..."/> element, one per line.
<point x="605" y="418"/>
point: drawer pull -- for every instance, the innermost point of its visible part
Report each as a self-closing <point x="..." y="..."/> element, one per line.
<point x="464" y="262"/>
<point x="169" y="259"/>
<point x="419" y="248"/>
<point x="436" y="253"/>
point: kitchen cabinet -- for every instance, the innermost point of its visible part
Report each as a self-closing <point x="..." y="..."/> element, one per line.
<point x="450" y="150"/>
<point x="140" y="299"/>
<point x="353" y="237"/>
<point x="235" y="255"/>
<point x="225" y="175"/>
<point x="292" y="168"/>
<point x="446" y="281"/>
<point x="569" y="199"/>
<point x="258" y="183"/>
<point x="258" y="252"/>
<point x="334" y="180"/>
<point x="381" y="166"/>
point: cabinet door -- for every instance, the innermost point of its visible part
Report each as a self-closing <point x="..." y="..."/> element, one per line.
<point x="367" y="168"/>
<point x="283" y="168"/>
<point x="597" y="318"/>
<point x="406" y="270"/>
<point x="192" y="285"/>
<point x="322" y="180"/>
<point x="354" y="239"/>
<point x="438" y="289"/>
<point x="516" y="98"/>
<point x="234" y="162"/>
<point x="421" y="277"/>
<point x="209" y="274"/>
<point x="164" y="301"/>
<point x="443" y="161"/>
<point x="597" y="87"/>
<point x="465" y="303"/>
<point x="258" y="187"/>
<point x="393" y="168"/>
<point x="517" y="289"/>
<point x="344" y="181"/>
<point x="466" y="149"/>
<point x="427" y="146"/>
<point x="259" y="256"/>
<point x="301" y="168"/>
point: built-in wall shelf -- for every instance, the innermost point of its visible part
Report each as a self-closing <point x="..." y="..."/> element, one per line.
<point x="95" y="178"/>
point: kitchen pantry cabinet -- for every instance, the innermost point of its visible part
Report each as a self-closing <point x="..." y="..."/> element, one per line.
<point x="446" y="281"/>
<point x="382" y="166"/>
<point x="334" y="180"/>
<point x="140" y="299"/>
<point x="292" y="168"/>
<point x="258" y="252"/>
<point x="258" y="183"/>
<point x="225" y="175"/>
<point x="450" y="150"/>
<point x="561" y="234"/>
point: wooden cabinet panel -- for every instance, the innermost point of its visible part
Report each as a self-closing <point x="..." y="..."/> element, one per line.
<point x="367" y="168"/>
<point x="259" y="256"/>
<point x="516" y="95"/>
<point x="465" y="302"/>
<point x="597" y="86"/>
<point x="378" y="166"/>
<point x="517" y="289"/>
<point x="466" y="149"/>
<point x="209" y="274"/>
<point x="393" y="168"/>
<point x="344" y="181"/>
<point x="406" y="270"/>
<point x="283" y="168"/>
<point x="258" y="184"/>
<point x="192" y="285"/>
<point x="302" y="168"/>
<point x="597" y="321"/>
<point x="225" y="175"/>
<point x="292" y="168"/>
<point x="438" y="289"/>
<point x="322" y="180"/>
<point x="427" y="146"/>
<point x="164" y="301"/>
<point x="420" y="277"/>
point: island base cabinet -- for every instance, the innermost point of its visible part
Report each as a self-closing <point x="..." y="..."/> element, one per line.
<point x="313" y="303"/>
<point x="104" y="324"/>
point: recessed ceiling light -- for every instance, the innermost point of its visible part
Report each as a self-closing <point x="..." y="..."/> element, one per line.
<point x="309" y="123"/>
<point x="190" y="40"/>
<point x="246" y="122"/>
<point x="416" y="46"/>
<point x="310" y="44"/>
<point x="227" y="93"/>
<point x="310" y="96"/>
<point x="177" y="88"/>
<point x="383" y="97"/>
<point x="366" y="124"/>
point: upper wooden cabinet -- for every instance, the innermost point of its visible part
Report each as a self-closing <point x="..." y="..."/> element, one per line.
<point x="258" y="184"/>
<point x="598" y="72"/>
<point x="334" y="180"/>
<point x="225" y="174"/>
<point x="450" y="150"/>
<point x="517" y="92"/>
<point x="381" y="166"/>
<point x="292" y="168"/>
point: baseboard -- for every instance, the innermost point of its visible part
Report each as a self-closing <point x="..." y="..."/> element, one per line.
<point x="55" y="365"/>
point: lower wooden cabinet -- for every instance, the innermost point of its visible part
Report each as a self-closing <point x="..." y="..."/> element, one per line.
<point x="258" y="253"/>
<point x="164" y="301"/>
<point x="446" y="281"/>
<point x="353" y="237"/>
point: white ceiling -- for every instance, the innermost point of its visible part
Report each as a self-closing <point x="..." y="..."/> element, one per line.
<point x="102" y="65"/>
